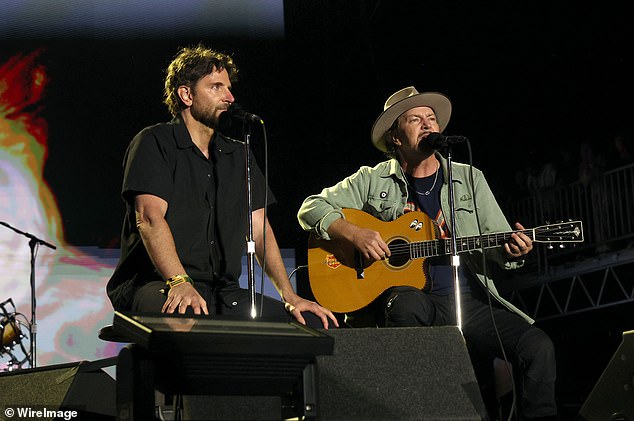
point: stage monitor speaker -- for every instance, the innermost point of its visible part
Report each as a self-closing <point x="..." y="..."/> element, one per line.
<point x="417" y="373"/>
<point x="58" y="389"/>
<point x="612" y="398"/>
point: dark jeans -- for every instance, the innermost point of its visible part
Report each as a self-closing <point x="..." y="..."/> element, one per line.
<point x="230" y="301"/>
<point x="528" y="348"/>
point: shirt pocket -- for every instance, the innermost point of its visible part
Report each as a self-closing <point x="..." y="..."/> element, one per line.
<point x="380" y="207"/>
<point x="464" y="203"/>
<point x="466" y="221"/>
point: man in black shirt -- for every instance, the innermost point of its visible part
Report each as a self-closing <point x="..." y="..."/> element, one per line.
<point x="185" y="227"/>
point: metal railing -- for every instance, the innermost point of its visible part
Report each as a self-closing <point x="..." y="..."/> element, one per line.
<point x="596" y="274"/>
<point x="605" y="205"/>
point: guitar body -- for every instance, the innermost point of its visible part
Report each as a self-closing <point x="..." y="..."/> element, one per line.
<point x="342" y="281"/>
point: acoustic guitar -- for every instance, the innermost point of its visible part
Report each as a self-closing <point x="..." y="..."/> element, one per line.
<point x="343" y="281"/>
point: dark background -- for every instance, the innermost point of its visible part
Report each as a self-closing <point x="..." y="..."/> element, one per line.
<point x="527" y="82"/>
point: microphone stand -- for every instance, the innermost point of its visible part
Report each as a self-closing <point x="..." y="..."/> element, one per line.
<point x="246" y="128"/>
<point x="33" y="243"/>
<point x="455" y="258"/>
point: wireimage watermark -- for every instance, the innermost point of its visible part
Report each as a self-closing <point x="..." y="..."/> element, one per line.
<point x="18" y="412"/>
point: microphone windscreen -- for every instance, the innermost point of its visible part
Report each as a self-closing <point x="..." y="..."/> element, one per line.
<point x="225" y="121"/>
<point x="436" y="140"/>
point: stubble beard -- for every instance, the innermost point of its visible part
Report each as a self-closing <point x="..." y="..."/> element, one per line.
<point x="205" y="116"/>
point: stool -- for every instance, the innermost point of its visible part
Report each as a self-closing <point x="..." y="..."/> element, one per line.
<point x="108" y="334"/>
<point x="164" y="408"/>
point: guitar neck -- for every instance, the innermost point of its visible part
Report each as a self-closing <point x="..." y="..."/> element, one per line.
<point x="442" y="247"/>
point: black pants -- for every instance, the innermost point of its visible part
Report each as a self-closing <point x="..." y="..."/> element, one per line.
<point x="227" y="300"/>
<point x="528" y="348"/>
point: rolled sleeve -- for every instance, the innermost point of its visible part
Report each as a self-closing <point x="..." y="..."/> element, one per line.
<point x="316" y="215"/>
<point x="319" y="211"/>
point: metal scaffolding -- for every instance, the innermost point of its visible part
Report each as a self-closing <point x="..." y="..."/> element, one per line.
<point x="559" y="282"/>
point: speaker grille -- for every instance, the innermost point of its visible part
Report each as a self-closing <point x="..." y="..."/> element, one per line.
<point x="398" y="373"/>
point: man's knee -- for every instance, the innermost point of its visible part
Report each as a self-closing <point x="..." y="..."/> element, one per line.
<point x="149" y="298"/>
<point x="408" y="306"/>
<point x="537" y="353"/>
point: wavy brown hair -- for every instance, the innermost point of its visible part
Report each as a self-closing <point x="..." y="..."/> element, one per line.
<point x="188" y="66"/>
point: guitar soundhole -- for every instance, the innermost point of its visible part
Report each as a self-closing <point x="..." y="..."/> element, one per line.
<point x="399" y="253"/>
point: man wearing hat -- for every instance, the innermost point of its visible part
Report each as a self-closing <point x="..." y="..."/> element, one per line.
<point x="415" y="179"/>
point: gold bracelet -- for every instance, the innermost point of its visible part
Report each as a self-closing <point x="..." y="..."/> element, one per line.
<point x="175" y="281"/>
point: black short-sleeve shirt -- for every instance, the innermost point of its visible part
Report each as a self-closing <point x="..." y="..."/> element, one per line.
<point x="206" y="206"/>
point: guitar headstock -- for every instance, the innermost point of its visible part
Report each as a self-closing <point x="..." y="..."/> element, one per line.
<point x="562" y="232"/>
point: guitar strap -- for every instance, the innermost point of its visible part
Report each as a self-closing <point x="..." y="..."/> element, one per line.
<point x="437" y="270"/>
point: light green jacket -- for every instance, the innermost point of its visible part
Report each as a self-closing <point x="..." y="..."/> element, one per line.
<point x="382" y="192"/>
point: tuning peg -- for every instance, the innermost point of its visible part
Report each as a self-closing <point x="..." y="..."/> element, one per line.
<point x="549" y="247"/>
<point x="562" y="246"/>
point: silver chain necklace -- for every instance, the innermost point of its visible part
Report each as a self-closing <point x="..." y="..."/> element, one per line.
<point x="416" y="191"/>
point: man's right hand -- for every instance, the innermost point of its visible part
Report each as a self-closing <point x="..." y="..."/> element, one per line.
<point x="182" y="296"/>
<point x="370" y="244"/>
<point x="367" y="241"/>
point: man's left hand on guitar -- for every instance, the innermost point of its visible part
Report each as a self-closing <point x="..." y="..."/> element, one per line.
<point x="519" y="243"/>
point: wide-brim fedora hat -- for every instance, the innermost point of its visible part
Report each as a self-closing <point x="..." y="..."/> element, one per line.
<point x="403" y="100"/>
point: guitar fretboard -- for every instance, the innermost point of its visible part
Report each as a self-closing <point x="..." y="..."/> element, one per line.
<point x="441" y="247"/>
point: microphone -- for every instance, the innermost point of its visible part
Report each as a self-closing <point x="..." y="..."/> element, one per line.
<point x="235" y="114"/>
<point x="437" y="140"/>
<point x="238" y="112"/>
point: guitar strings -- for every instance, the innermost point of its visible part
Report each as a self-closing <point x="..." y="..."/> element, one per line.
<point x="441" y="246"/>
<point x="430" y="248"/>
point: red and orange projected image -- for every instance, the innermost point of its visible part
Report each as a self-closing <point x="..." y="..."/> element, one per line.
<point x="69" y="282"/>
